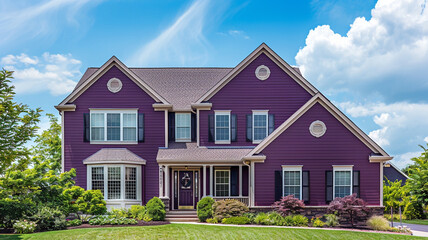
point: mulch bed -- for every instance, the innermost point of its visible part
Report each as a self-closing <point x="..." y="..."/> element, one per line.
<point x="140" y="223"/>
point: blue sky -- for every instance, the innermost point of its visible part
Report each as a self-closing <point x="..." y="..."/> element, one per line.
<point x="369" y="57"/>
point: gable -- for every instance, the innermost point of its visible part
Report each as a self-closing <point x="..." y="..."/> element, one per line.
<point x="262" y="49"/>
<point x="380" y="154"/>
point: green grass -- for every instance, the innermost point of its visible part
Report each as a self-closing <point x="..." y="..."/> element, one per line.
<point x="416" y="221"/>
<point x="189" y="231"/>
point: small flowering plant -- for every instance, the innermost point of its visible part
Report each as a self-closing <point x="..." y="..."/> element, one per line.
<point x="24" y="226"/>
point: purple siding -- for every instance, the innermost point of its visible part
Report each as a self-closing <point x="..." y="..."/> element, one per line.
<point x="296" y="146"/>
<point x="131" y="96"/>
<point x="280" y="94"/>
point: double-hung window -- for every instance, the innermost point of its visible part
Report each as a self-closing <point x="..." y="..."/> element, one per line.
<point x="116" y="182"/>
<point x="260" y="125"/>
<point x="222" y="183"/>
<point x="182" y="127"/>
<point x="222" y="127"/>
<point x="292" y="181"/>
<point x="342" y="181"/>
<point x="113" y="125"/>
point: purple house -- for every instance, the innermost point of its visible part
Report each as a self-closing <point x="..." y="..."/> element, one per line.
<point x="254" y="132"/>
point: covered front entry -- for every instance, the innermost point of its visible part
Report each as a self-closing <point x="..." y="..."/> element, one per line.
<point x="185" y="189"/>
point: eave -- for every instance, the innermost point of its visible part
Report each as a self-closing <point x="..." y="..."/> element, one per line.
<point x="66" y="107"/>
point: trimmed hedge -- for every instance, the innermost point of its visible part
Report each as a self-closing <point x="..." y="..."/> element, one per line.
<point x="205" y="208"/>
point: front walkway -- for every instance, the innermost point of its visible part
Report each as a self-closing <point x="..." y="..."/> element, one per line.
<point x="417" y="229"/>
<point x="313" y="228"/>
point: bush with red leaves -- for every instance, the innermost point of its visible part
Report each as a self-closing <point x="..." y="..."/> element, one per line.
<point x="289" y="205"/>
<point x="349" y="207"/>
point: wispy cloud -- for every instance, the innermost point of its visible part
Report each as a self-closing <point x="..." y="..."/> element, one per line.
<point x="27" y="19"/>
<point x="56" y="73"/>
<point x="183" y="42"/>
<point x="236" y="33"/>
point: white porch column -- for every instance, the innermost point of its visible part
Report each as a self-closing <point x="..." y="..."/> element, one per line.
<point x="204" y="181"/>
<point x="211" y="180"/>
<point x="240" y="180"/>
<point x="166" y="181"/>
<point x="253" y="187"/>
<point x="160" y="181"/>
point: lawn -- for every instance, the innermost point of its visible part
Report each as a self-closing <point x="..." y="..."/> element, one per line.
<point x="416" y="221"/>
<point x="189" y="231"/>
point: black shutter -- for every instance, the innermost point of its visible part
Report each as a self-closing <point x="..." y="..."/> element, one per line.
<point x="140" y="127"/>
<point x="193" y="126"/>
<point x="86" y="128"/>
<point x="233" y="128"/>
<point x="278" y="185"/>
<point x="328" y="186"/>
<point x="211" y="132"/>
<point x="356" y="183"/>
<point x="305" y="186"/>
<point x="234" y="184"/>
<point x="249" y="127"/>
<point x="171" y="126"/>
<point x="271" y="123"/>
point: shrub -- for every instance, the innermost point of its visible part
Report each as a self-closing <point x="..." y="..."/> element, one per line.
<point x="12" y="210"/>
<point x="120" y="212"/>
<point x="250" y="216"/>
<point x="288" y="221"/>
<point x="137" y="211"/>
<point x="24" y="226"/>
<point x="276" y="219"/>
<point x="70" y="196"/>
<point x="212" y="220"/>
<point x="350" y="207"/>
<point x="205" y="208"/>
<point x="262" y="219"/>
<point x="300" y="221"/>
<point x="378" y="223"/>
<point x="395" y="217"/>
<point x="317" y="222"/>
<point x="289" y="205"/>
<point x="73" y="223"/>
<point x="156" y="209"/>
<point x="112" y="220"/>
<point x="92" y="202"/>
<point x="236" y="220"/>
<point x="331" y="220"/>
<point x="229" y="208"/>
<point x="49" y="219"/>
<point x="414" y="210"/>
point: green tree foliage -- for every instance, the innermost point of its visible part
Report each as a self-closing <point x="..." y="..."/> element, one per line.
<point x="47" y="149"/>
<point x="18" y="126"/>
<point x="395" y="195"/>
<point x="418" y="178"/>
<point x="92" y="202"/>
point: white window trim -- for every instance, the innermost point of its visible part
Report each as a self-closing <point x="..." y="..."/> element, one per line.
<point x="342" y="168"/>
<point x="216" y="113"/>
<point x="190" y="128"/>
<point x="215" y="182"/>
<point x="260" y="112"/>
<point x="121" y="112"/>
<point x="292" y="168"/>
<point x="122" y="181"/>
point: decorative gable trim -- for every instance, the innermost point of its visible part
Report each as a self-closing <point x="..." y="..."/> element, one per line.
<point x="319" y="98"/>
<point x="113" y="61"/>
<point x="263" y="48"/>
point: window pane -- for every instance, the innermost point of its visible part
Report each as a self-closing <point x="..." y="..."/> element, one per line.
<point x="129" y="134"/>
<point x="97" y="126"/>
<point x="130" y="183"/>
<point x="260" y="126"/>
<point x="97" y="119"/>
<point x="113" y="126"/>
<point x="222" y="128"/>
<point x="222" y="120"/>
<point x="260" y="120"/>
<point x="98" y="179"/>
<point x="97" y="133"/>
<point x="342" y="183"/>
<point x="129" y="120"/>
<point x="292" y="183"/>
<point x="182" y="126"/>
<point x="113" y="188"/>
<point x="222" y="179"/>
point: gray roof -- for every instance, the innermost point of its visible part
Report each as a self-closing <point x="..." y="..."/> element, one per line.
<point x="179" y="86"/>
<point x="114" y="155"/>
<point x="189" y="153"/>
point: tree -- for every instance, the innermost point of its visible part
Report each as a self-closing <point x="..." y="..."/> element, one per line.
<point x="18" y="125"/>
<point x="48" y="147"/>
<point x="395" y="195"/>
<point x="418" y="178"/>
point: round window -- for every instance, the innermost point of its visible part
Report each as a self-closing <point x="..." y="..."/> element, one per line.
<point x="114" y="85"/>
<point x="317" y="128"/>
<point x="262" y="72"/>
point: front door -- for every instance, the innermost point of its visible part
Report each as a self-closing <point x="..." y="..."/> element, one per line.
<point x="185" y="190"/>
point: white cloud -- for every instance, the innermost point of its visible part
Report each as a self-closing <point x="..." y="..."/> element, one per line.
<point x="23" y="20"/>
<point x="401" y="126"/>
<point x="56" y="73"/>
<point x="238" y="33"/>
<point x="183" y="42"/>
<point x="426" y="139"/>
<point x="402" y="160"/>
<point x="383" y="58"/>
